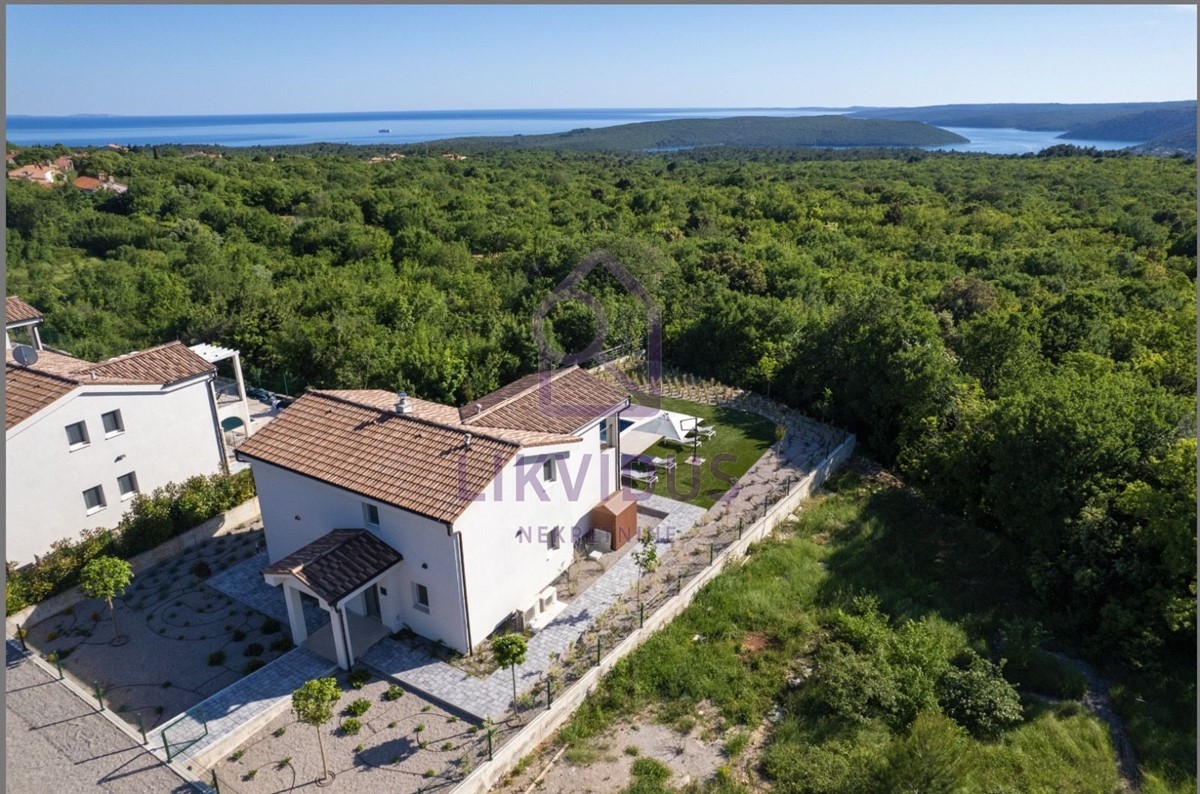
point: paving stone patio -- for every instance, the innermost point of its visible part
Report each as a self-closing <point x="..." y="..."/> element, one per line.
<point x="490" y="697"/>
<point x="244" y="582"/>
<point x="226" y="715"/>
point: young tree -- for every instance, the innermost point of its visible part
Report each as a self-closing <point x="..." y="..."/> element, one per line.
<point x="313" y="704"/>
<point x="510" y="652"/>
<point x="106" y="577"/>
<point x="646" y="559"/>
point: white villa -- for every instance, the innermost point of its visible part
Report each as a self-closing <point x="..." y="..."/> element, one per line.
<point x="83" y="438"/>
<point x="394" y="512"/>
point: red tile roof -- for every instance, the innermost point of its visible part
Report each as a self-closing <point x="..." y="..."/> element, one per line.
<point x="88" y="183"/>
<point x="27" y="391"/>
<point x="163" y="366"/>
<point x="335" y="565"/>
<point x="550" y="402"/>
<point x="398" y="459"/>
<point x="18" y="311"/>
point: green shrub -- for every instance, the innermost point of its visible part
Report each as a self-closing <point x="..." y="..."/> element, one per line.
<point x="253" y="649"/>
<point x="359" y="677"/>
<point x="271" y="626"/>
<point x="150" y="520"/>
<point x="253" y="665"/>
<point x="238" y="635"/>
<point x="351" y="727"/>
<point x="978" y="698"/>
<point x="282" y="644"/>
<point x="216" y="658"/>
<point x="933" y="758"/>
<point x="393" y="692"/>
<point x="358" y="707"/>
<point x="650" y="770"/>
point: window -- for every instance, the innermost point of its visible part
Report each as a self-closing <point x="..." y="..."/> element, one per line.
<point x="608" y="433"/>
<point x="554" y="539"/>
<point x="127" y="485"/>
<point x="77" y="435"/>
<point x="371" y="514"/>
<point x="604" y="433"/>
<point x="421" y="597"/>
<point x="93" y="498"/>
<point x="112" y="423"/>
<point x="548" y="472"/>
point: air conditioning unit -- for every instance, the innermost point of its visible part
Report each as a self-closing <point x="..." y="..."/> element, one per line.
<point x="528" y="615"/>
<point x="547" y="598"/>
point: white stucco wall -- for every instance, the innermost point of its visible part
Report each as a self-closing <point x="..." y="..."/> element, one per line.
<point x="296" y="510"/>
<point x="168" y="437"/>
<point x="507" y="558"/>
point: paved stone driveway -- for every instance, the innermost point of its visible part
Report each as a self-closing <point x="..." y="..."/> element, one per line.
<point x="56" y="742"/>
<point x="490" y="697"/>
<point x="226" y="714"/>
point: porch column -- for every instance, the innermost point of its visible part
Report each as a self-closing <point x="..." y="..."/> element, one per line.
<point x="337" y="623"/>
<point x="241" y="388"/>
<point x="295" y="608"/>
<point x="37" y="338"/>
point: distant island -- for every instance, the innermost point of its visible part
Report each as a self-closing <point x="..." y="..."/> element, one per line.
<point x="820" y="131"/>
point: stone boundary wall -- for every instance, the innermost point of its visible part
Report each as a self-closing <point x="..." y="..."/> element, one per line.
<point x="544" y="725"/>
<point x="236" y="519"/>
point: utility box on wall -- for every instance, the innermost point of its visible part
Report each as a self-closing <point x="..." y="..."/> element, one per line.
<point x="617" y="516"/>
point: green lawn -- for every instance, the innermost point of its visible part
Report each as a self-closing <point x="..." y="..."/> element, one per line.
<point x="741" y="440"/>
<point x="941" y="589"/>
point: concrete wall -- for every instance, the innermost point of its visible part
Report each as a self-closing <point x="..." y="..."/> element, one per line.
<point x="543" y="726"/>
<point x="168" y="437"/>
<point x="296" y="510"/>
<point x="242" y="518"/>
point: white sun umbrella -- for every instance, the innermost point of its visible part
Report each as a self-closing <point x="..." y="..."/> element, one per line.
<point x="668" y="425"/>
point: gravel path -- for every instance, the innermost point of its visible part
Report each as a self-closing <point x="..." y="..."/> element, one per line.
<point x="1098" y="702"/>
<point x="56" y="742"/>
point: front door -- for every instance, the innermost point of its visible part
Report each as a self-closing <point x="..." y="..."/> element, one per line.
<point x="372" y="598"/>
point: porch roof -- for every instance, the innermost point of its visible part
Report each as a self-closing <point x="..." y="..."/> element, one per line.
<point x="336" y="564"/>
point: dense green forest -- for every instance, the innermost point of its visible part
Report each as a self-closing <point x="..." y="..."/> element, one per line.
<point x="1024" y="115"/>
<point x="1143" y="126"/>
<point x="1016" y="334"/>
<point x="736" y="131"/>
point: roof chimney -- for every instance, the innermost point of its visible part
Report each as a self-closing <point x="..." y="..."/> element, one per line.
<point x="478" y="408"/>
<point x="467" y="440"/>
<point x="403" y="404"/>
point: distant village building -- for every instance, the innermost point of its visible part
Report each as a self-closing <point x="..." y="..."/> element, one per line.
<point x="38" y="173"/>
<point x="90" y="184"/>
<point x="64" y="164"/>
<point x="453" y="156"/>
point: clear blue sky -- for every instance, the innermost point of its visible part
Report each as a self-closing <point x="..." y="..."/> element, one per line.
<point x="167" y="60"/>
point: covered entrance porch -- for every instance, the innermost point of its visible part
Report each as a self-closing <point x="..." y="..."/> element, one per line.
<point x="341" y="571"/>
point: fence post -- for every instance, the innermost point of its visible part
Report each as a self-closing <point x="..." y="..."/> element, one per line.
<point x="286" y="390"/>
<point x="489" y="735"/>
<point x="641" y="615"/>
<point x="741" y="520"/>
<point x="58" y="664"/>
<point x="547" y="693"/>
<point x="21" y="637"/>
<point x="710" y="553"/>
<point x="142" y="728"/>
<point x="216" y="782"/>
<point x="678" y="583"/>
<point x="99" y="693"/>
<point x="597" y="649"/>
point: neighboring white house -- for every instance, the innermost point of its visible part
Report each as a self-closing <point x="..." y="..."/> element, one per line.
<point x="444" y="520"/>
<point x="83" y="438"/>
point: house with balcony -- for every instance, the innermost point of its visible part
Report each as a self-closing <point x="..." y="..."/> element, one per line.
<point x="393" y="512"/>
<point x="83" y="438"/>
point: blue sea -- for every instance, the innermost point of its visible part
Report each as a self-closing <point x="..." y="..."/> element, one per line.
<point x="397" y="127"/>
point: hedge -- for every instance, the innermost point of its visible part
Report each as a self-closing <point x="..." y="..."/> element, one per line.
<point x="151" y="519"/>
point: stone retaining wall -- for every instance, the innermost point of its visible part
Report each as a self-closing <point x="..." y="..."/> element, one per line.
<point x="232" y="521"/>
<point x="544" y="725"/>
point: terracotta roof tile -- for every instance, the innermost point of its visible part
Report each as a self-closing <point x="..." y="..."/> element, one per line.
<point x="335" y="565"/>
<point x="165" y="364"/>
<point x="449" y="416"/>
<point x="18" y="311"/>
<point x="559" y="402"/>
<point x="27" y="391"/>
<point x="401" y="460"/>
